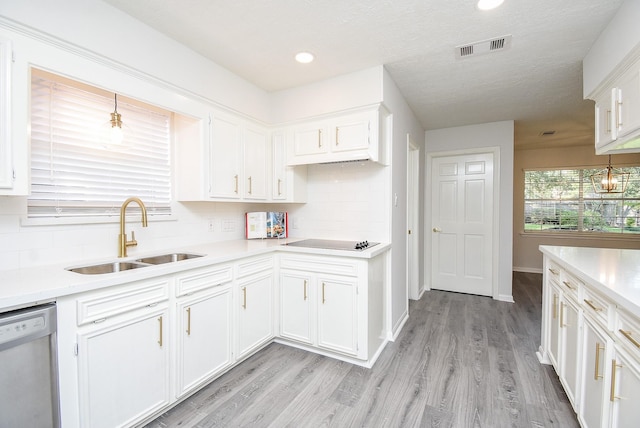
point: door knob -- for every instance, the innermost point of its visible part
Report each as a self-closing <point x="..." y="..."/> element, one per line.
<point x="437" y="229"/>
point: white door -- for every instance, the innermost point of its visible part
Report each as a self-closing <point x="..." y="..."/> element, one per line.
<point x="462" y="223"/>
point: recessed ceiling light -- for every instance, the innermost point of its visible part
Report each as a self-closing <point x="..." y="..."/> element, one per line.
<point x="489" y="4"/>
<point x="304" y="57"/>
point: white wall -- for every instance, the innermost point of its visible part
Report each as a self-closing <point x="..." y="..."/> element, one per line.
<point x="404" y="123"/>
<point x="497" y="134"/>
<point x="617" y="40"/>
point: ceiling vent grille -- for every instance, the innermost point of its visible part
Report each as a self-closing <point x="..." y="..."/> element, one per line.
<point x="483" y="47"/>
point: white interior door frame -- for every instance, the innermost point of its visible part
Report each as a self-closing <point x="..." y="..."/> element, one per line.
<point x="413" y="225"/>
<point x="428" y="236"/>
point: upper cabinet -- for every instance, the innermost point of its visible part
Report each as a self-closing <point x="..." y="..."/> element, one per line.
<point x="617" y="114"/>
<point x="6" y="164"/>
<point x="347" y="136"/>
<point x="611" y="77"/>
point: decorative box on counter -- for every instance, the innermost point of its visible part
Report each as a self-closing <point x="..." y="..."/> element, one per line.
<point x="266" y="224"/>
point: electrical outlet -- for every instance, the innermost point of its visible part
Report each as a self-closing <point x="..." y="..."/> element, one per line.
<point x="212" y="227"/>
<point x="228" y="225"/>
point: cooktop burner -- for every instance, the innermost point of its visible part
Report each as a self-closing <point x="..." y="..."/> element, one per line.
<point x="329" y="244"/>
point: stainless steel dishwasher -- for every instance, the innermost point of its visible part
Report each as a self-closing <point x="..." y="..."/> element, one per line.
<point x="28" y="368"/>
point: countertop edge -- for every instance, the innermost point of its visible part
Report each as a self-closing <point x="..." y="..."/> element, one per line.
<point x="35" y="285"/>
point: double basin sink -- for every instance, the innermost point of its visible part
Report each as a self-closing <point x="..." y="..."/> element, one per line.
<point x="120" y="266"/>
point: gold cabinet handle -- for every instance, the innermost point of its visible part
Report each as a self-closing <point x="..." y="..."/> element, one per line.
<point x="562" y="314"/>
<point x="592" y="305"/>
<point x="279" y="187"/>
<point x="235" y="177"/>
<point x="597" y="374"/>
<point x="319" y="138"/>
<point x="323" y="300"/>
<point x="188" y="321"/>
<point x="244" y="297"/>
<point x="250" y="187"/>
<point x="612" y="394"/>
<point x="608" y="121"/>
<point x="553" y="271"/>
<point x="568" y="284"/>
<point x="305" y="289"/>
<point x="555" y="306"/>
<point x="337" y="139"/>
<point x="628" y="335"/>
<point x="160" y="340"/>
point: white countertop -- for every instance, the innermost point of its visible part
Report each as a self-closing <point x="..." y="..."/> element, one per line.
<point x="614" y="272"/>
<point x="22" y="287"/>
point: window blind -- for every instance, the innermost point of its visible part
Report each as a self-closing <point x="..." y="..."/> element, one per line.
<point x="77" y="172"/>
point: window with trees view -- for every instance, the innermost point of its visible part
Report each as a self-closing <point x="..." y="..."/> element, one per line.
<point x="563" y="200"/>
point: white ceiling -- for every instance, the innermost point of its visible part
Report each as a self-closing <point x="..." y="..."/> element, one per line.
<point x="537" y="81"/>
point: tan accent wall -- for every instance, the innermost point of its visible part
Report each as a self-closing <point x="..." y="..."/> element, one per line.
<point x="526" y="256"/>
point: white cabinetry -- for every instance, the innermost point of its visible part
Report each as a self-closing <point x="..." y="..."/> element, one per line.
<point x="123" y="354"/>
<point x="348" y="136"/>
<point x="222" y="157"/>
<point x="332" y="305"/>
<point x="592" y="342"/>
<point x="203" y="326"/>
<point x="254" y="304"/>
<point x="617" y="112"/>
<point x="6" y="160"/>
<point x="289" y="183"/>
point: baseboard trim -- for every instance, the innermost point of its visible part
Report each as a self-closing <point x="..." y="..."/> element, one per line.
<point x="526" y="269"/>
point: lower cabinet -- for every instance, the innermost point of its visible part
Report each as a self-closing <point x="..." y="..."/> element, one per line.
<point x="625" y="390"/>
<point x="255" y="312"/>
<point x="124" y="369"/>
<point x="592" y="343"/>
<point x="333" y="305"/>
<point x="204" y="337"/>
<point x="595" y="377"/>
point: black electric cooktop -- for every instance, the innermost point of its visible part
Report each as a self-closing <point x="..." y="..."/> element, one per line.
<point x="328" y="244"/>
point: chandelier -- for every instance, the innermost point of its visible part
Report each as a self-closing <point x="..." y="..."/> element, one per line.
<point x="610" y="180"/>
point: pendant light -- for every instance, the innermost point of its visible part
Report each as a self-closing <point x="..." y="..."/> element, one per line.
<point x="116" y="124"/>
<point x="610" y="180"/>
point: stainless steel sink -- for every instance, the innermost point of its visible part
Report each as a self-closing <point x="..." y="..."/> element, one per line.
<point x="168" y="258"/>
<point x="120" y="266"/>
<point x="107" y="268"/>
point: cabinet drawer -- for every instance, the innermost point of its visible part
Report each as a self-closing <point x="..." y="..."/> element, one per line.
<point x="254" y="265"/>
<point x="338" y="266"/>
<point x="570" y="285"/>
<point x="597" y="308"/>
<point x="203" y="278"/>
<point x="553" y="272"/>
<point x="627" y="331"/>
<point x="97" y="306"/>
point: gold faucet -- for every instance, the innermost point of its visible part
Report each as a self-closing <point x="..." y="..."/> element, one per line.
<point x="122" y="238"/>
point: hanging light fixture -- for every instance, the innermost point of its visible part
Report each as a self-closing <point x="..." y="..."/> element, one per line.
<point x="116" y="124"/>
<point x="610" y="180"/>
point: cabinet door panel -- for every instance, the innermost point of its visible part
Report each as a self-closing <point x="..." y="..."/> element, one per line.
<point x="351" y="133"/>
<point x="224" y="157"/>
<point x="570" y="342"/>
<point x="124" y="372"/>
<point x="605" y="133"/>
<point x="309" y="139"/>
<point x="594" y="382"/>
<point x="554" y="330"/>
<point x="628" y="104"/>
<point x="255" y="322"/>
<point x="337" y="315"/>
<point x="295" y="307"/>
<point x="204" y="334"/>
<point x="626" y="389"/>
<point x="255" y="164"/>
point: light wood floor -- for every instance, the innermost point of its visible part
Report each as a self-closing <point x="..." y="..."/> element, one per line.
<point x="460" y="361"/>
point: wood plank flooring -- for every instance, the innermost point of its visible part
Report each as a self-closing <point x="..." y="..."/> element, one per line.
<point x="460" y="361"/>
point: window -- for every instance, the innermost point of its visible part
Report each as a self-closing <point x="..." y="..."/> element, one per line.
<point x="76" y="171"/>
<point x="563" y="200"/>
